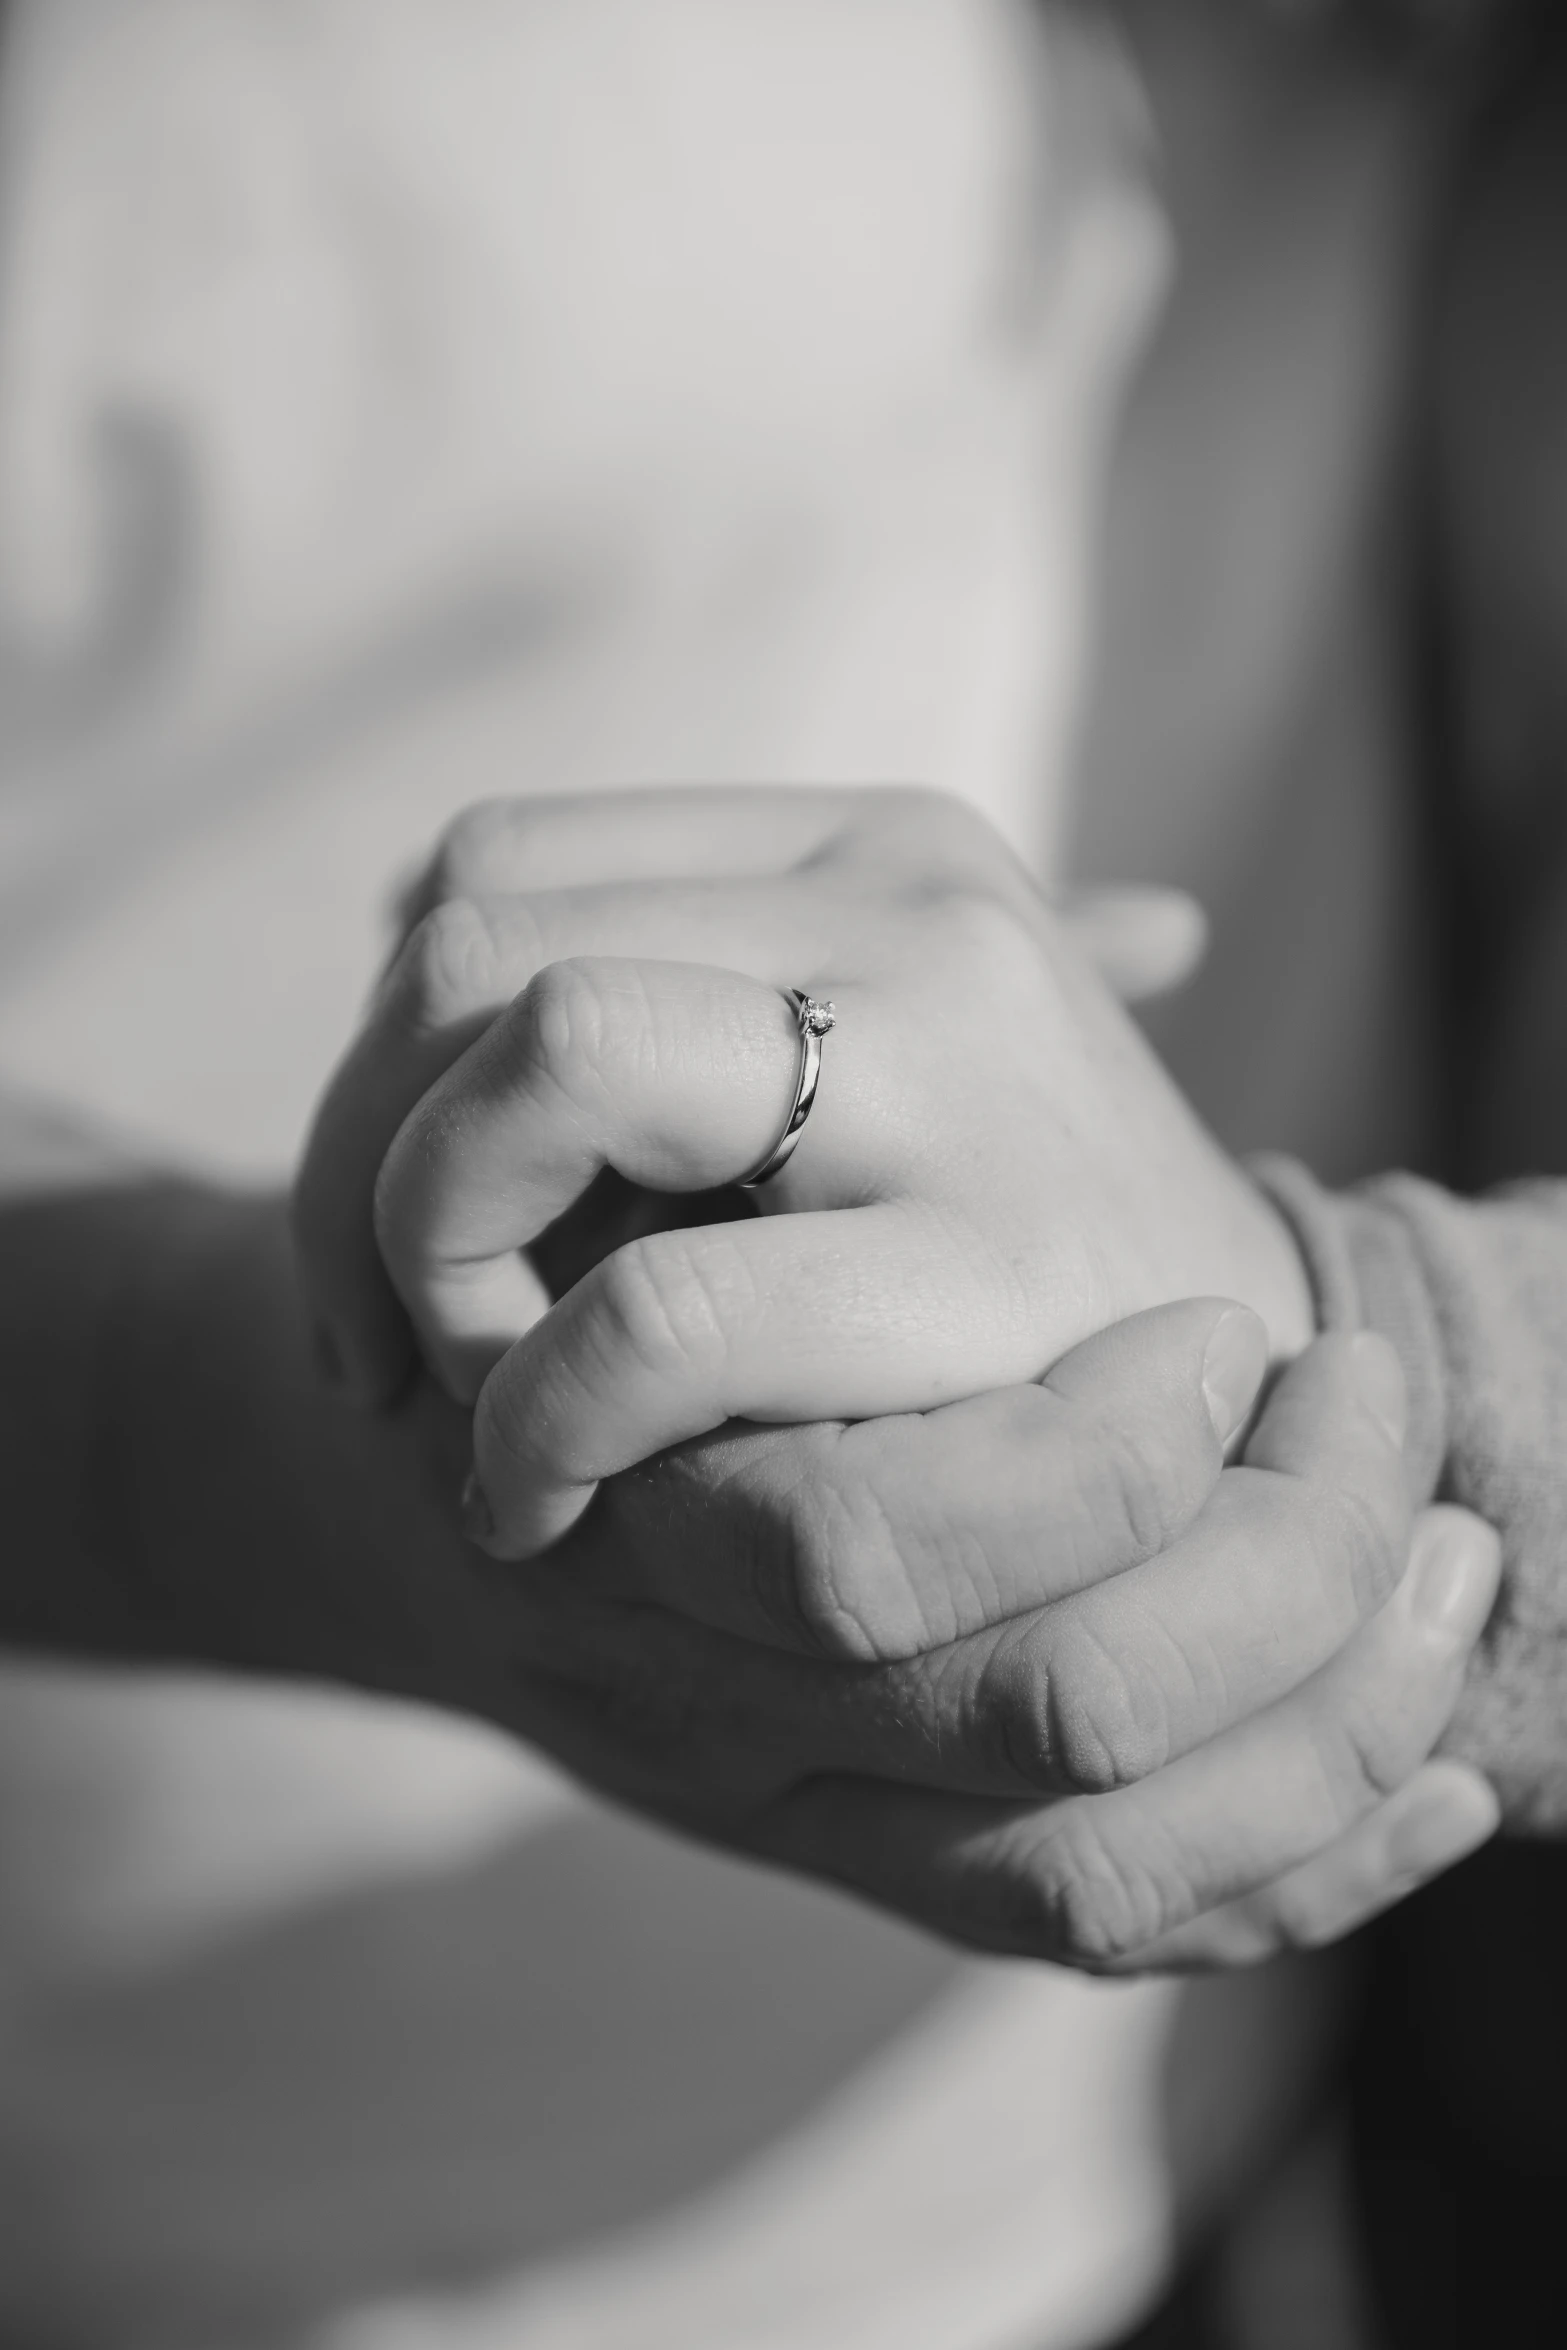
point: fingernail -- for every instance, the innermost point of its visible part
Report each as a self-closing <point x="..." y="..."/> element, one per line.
<point x="327" y="1357"/>
<point x="1232" y="1370"/>
<point x="1381" y="1380"/>
<point x="1454" y="1574"/>
<point x="478" y="1519"/>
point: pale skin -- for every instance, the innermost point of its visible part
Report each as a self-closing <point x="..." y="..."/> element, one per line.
<point x="1005" y="1646"/>
<point x="997" y="1168"/>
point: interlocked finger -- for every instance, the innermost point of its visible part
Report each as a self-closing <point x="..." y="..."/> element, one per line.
<point x="890" y="1537"/>
<point x="781" y="884"/>
<point x="675" y="833"/>
<point x="677" y="1076"/>
<point x="1099" y="1881"/>
<point x="1438" y="1817"/>
<point x="845" y="1313"/>
<point x="1114" y="1680"/>
<point x="1100" y="1688"/>
<point x="459" y="969"/>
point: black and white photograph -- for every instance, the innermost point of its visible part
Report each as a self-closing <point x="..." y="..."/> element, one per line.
<point x="783" y="1174"/>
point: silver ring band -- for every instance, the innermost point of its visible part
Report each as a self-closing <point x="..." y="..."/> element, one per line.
<point x="814" y="1019"/>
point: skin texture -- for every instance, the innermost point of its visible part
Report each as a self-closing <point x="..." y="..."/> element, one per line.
<point x="1026" y="1786"/>
<point x="995" y="1168"/>
<point x="1168" y="1833"/>
<point x="1226" y="1714"/>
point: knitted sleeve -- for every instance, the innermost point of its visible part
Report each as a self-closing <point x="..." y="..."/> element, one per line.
<point x="1473" y="1293"/>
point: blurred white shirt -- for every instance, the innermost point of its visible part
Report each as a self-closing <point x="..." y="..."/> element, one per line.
<point x="402" y="402"/>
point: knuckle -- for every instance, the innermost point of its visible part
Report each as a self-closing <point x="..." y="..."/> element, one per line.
<point x="475" y="842"/>
<point x="645" y="1309"/>
<point x="858" y="1592"/>
<point x="843" y="1566"/>
<point x="1135" y="1487"/>
<point x="668" y="1306"/>
<point x="1096" y="1904"/>
<point x="448" y="967"/>
<point x="846" y="1572"/>
<point x="1083" y="1717"/>
<point x="880" y="1570"/>
<point x="1008" y="1716"/>
<point x="795" y="1604"/>
<point x="520" y="939"/>
<point x="742" y="1499"/>
<point x="1363" y="1745"/>
<point x="556" y="1027"/>
<point x="808" y="1557"/>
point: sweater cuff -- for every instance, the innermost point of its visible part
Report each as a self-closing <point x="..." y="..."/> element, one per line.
<point x="1365" y="1273"/>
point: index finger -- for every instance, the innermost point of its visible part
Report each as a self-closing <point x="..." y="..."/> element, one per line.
<point x="465" y="961"/>
<point x="675" y="1075"/>
<point x="1104" y="1881"/>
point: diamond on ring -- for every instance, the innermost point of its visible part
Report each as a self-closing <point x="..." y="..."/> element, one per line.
<point x="814" y="1018"/>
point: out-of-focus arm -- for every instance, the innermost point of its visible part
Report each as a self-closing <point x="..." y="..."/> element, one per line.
<point x="174" y="1481"/>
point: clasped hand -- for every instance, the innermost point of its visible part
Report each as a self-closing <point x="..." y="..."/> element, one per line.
<point x="1004" y="1645"/>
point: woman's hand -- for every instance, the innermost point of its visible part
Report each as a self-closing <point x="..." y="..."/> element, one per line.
<point x="995" y="1167"/>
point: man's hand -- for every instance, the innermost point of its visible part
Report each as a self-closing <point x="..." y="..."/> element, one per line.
<point x="1033" y="1669"/>
<point x="1029" y="1666"/>
<point x="1013" y="1666"/>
